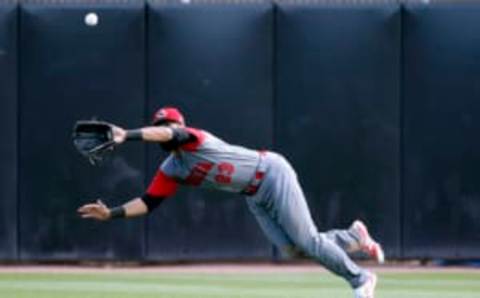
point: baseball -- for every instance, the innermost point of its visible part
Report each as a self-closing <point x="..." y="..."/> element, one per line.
<point x="91" y="19"/>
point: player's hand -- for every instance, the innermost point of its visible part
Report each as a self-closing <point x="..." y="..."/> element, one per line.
<point x="119" y="134"/>
<point x="98" y="211"/>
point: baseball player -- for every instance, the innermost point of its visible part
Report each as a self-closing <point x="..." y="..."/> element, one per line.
<point x="273" y="194"/>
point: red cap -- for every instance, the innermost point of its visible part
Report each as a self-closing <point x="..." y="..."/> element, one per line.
<point x="168" y="114"/>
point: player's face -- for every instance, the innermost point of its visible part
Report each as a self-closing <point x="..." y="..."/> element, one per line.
<point x="175" y="125"/>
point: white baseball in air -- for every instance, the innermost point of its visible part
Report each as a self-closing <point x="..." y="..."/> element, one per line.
<point x="91" y="19"/>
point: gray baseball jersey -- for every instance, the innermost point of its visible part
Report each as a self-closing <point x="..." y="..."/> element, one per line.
<point x="210" y="162"/>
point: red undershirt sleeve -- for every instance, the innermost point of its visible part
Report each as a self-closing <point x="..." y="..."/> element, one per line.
<point x="162" y="186"/>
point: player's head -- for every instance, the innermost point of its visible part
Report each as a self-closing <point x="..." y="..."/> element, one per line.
<point x="167" y="116"/>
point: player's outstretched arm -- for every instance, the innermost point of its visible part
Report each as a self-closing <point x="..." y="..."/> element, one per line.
<point x="149" y="134"/>
<point x="100" y="211"/>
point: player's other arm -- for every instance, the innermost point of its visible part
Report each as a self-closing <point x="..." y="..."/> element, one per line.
<point x="100" y="211"/>
<point x="160" y="188"/>
<point x="133" y="208"/>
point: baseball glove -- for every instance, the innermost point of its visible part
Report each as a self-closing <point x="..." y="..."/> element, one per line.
<point x="93" y="139"/>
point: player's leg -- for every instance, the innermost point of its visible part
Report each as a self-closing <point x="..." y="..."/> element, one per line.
<point x="365" y="242"/>
<point x="274" y="232"/>
<point x="357" y="239"/>
<point x="284" y="201"/>
<point x="346" y="239"/>
<point x="343" y="238"/>
<point x="270" y="228"/>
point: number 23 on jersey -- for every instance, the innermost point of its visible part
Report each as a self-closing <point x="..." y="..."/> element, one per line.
<point x="224" y="173"/>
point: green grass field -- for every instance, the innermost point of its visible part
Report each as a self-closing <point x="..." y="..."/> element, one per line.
<point x="203" y="285"/>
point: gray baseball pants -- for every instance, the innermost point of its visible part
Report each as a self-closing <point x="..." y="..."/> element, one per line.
<point x="283" y="214"/>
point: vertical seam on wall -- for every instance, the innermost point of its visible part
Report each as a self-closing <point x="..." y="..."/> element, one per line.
<point x="145" y="118"/>
<point x="17" y="206"/>
<point x="402" y="138"/>
<point x="274" y="250"/>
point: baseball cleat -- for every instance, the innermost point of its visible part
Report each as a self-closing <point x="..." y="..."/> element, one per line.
<point x="366" y="243"/>
<point x="367" y="290"/>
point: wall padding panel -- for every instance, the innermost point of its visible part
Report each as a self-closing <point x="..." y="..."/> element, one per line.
<point x="214" y="62"/>
<point x="8" y="128"/>
<point x="337" y="110"/>
<point x="73" y="71"/>
<point x="442" y="120"/>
